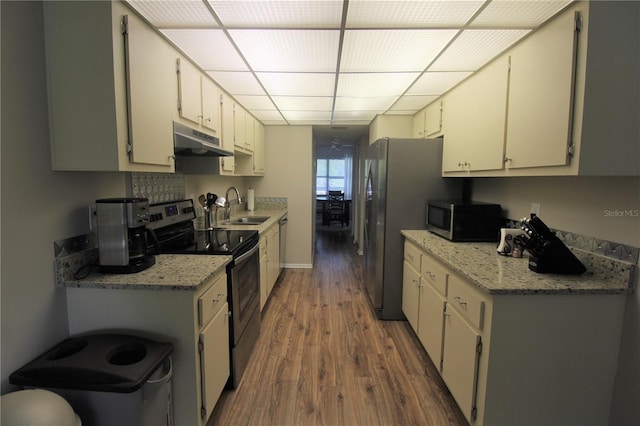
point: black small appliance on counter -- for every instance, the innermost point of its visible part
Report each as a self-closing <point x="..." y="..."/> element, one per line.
<point x="548" y="253"/>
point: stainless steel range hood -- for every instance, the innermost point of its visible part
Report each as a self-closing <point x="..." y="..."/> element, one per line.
<point x="190" y="142"/>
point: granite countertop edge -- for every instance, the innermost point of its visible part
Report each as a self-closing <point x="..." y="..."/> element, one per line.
<point x="501" y="275"/>
<point x="181" y="272"/>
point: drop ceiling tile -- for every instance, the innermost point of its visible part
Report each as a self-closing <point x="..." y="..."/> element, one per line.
<point x="436" y="83"/>
<point x="298" y="84"/>
<point x="175" y="13"/>
<point x="279" y="14"/>
<point x="374" y="84"/>
<point x="392" y="50"/>
<point x="412" y="103"/>
<point x="272" y="117"/>
<point x="210" y="49"/>
<point x="304" y="103"/>
<point x="513" y="14"/>
<point x="307" y="115"/>
<point x="252" y="102"/>
<point x="337" y="123"/>
<point x="362" y="103"/>
<point x="237" y="83"/>
<point x="289" y="50"/>
<point x="474" y="48"/>
<point x="356" y="115"/>
<point x="410" y="14"/>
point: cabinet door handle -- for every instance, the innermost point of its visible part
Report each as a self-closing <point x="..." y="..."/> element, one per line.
<point x="219" y="298"/>
<point x="460" y="300"/>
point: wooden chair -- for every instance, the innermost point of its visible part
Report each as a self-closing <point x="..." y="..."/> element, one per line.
<point x="337" y="210"/>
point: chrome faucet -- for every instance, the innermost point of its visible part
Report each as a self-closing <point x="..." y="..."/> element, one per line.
<point x="227" y="206"/>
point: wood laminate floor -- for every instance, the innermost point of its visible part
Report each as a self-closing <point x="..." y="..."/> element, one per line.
<point x="323" y="358"/>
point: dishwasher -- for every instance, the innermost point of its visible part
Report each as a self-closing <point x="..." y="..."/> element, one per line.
<point x="283" y="239"/>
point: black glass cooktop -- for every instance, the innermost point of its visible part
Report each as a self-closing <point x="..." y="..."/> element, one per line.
<point x="218" y="241"/>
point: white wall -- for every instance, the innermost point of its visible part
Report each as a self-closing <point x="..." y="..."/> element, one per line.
<point x="289" y="174"/>
<point x="38" y="206"/>
<point x="587" y="206"/>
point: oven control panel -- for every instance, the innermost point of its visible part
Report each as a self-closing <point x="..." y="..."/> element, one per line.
<point x="171" y="212"/>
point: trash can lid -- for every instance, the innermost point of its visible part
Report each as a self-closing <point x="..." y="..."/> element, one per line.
<point x="99" y="362"/>
<point x="37" y="407"/>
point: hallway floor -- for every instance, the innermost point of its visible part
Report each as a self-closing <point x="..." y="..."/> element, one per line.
<point x="323" y="358"/>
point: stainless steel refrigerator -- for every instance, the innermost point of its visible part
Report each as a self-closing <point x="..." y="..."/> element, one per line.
<point x="402" y="174"/>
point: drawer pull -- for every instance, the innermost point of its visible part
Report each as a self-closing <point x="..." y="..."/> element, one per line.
<point x="460" y="300"/>
<point x="219" y="298"/>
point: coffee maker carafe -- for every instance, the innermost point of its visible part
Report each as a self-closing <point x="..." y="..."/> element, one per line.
<point x="122" y="235"/>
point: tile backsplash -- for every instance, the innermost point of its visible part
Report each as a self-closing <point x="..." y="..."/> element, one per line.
<point x="157" y="187"/>
<point x="592" y="245"/>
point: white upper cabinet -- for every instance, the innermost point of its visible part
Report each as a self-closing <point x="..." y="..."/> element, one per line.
<point x="189" y="94"/>
<point x="427" y="123"/>
<point x="475" y="120"/>
<point x="198" y="97"/>
<point x="111" y="100"/>
<point x="541" y="97"/>
<point x="210" y="105"/>
<point x="572" y="105"/>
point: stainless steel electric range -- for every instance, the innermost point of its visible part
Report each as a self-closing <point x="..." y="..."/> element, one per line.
<point x="173" y="225"/>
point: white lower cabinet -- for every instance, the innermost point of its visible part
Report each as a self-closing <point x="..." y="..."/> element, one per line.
<point x="411" y="294"/>
<point x="515" y="357"/>
<point x="214" y="359"/>
<point x="195" y="322"/>
<point x="269" y="261"/>
<point x="431" y="322"/>
<point x="460" y="356"/>
<point x="264" y="261"/>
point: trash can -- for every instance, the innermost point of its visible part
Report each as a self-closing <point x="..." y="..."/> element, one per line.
<point x="108" y="379"/>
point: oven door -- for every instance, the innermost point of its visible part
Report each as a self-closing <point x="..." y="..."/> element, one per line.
<point x="244" y="290"/>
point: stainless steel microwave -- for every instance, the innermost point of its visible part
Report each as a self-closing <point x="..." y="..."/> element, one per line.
<point x="458" y="221"/>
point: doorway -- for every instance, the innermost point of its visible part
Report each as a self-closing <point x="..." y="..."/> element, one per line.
<point x="338" y="161"/>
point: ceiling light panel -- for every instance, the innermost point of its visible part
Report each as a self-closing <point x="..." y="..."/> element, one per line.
<point x="289" y="50"/>
<point x="279" y="14"/>
<point x="514" y="14"/>
<point x="361" y="103"/>
<point x="409" y="14"/>
<point x="269" y="116"/>
<point x="474" y="48"/>
<point x="210" y="49"/>
<point x="303" y="103"/>
<point x="298" y="84"/>
<point x="252" y="102"/>
<point x="307" y="116"/>
<point x="237" y="83"/>
<point x="175" y="13"/>
<point x="436" y="83"/>
<point x="374" y="85"/>
<point x="413" y="104"/>
<point x="365" y="116"/>
<point x="392" y="50"/>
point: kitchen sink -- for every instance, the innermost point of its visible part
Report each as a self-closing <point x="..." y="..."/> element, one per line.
<point x="248" y="220"/>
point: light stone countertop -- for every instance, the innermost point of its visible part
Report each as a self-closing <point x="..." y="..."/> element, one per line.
<point x="481" y="265"/>
<point x="170" y="272"/>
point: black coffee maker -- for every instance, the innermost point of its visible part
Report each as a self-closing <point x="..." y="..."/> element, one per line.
<point x="123" y="235"/>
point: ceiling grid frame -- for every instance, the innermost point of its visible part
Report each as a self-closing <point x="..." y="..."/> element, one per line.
<point x="296" y="90"/>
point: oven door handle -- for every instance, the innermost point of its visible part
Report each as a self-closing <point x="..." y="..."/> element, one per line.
<point x="246" y="255"/>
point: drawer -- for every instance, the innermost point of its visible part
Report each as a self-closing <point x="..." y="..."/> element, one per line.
<point x="412" y="255"/>
<point x="466" y="300"/>
<point x="435" y="273"/>
<point x="212" y="300"/>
